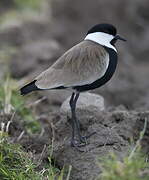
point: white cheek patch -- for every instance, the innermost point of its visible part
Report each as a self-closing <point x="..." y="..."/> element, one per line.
<point x="101" y="38"/>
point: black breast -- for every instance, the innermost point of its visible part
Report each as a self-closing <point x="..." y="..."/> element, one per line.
<point x="106" y="77"/>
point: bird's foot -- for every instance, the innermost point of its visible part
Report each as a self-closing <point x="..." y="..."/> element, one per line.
<point x="83" y="139"/>
<point x="77" y="145"/>
<point x="82" y="142"/>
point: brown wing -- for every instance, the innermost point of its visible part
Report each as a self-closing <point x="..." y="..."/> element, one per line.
<point x="82" y="64"/>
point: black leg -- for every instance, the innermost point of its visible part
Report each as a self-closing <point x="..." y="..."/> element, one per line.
<point x="75" y="123"/>
<point x="75" y="118"/>
<point x="71" y="102"/>
<point x="83" y="139"/>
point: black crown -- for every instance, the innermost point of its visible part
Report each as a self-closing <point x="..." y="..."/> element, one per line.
<point x="106" y="28"/>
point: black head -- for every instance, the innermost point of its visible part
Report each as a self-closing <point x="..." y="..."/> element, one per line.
<point x="106" y="28"/>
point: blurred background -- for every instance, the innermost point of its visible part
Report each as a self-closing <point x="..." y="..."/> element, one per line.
<point x="34" y="33"/>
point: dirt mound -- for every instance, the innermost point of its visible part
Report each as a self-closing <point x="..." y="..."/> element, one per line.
<point x="114" y="131"/>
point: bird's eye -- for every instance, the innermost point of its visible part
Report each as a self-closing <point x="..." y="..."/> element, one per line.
<point x="113" y="41"/>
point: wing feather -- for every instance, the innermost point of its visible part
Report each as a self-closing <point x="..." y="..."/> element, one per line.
<point x="82" y="64"/>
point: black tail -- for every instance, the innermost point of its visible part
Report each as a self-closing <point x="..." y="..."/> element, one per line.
<point x="29" y="88"/>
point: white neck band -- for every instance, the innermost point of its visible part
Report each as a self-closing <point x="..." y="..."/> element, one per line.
<point x="101" y="38"/>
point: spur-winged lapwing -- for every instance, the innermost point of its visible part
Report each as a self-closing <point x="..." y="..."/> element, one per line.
<point x="86" y="66"/>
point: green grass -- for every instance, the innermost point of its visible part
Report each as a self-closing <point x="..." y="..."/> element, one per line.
<point x="11" y="101"/>
<point x="32" y="4"/>
<point x="133" y="166"/>
<point x="126" y="169"/>
<point x="15" y="164"/>
<point x="23" y="11"/>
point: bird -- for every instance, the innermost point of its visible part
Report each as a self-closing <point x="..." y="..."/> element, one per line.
<point x="86" y="66"/>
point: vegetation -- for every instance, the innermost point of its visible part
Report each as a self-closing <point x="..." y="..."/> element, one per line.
<point x="11" y="101"/>
<point x="15" y="164"/>
<point x="21" y="11"/>
<point x="28" y="4"/>
<point x="127" y="169"/>
<point x="134" y="166"/>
